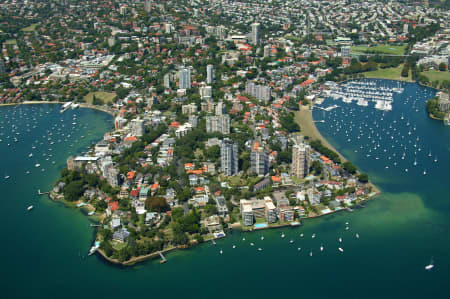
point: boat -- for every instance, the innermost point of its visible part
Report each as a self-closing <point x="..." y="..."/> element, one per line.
<point x="91" y="213"/>
<point x="430" y="265"/>
<point x="30" y="155"/>
<point x="310" y="253"/>
<point x="301" y="235"/>
<point x="321" y="247"/>
<point x="262" y="238"/>
<point x="313" y="236"/>
<point x="340" y="249"/>
<point x="347" y="228"/>
<point x="37" y="165"/>
<point x="299" y="248"/>
<point x="252" y="244"/>
<point x="213" y="242"/>
<point x="234" y="246"/>
<point x="357" y="236"/>
<point x="221" y="251"/>
<point x="65" y="106"/>
<point x="340" y="240"/>
<point x="282" y="235"/>
<point x="7" y="177"/>
<point x="291" y="241"/>
<point x="94" y="248"/>
<point x="30" y="208"/>
<point x="259" y="249"/>
<point x="75" y="106"/>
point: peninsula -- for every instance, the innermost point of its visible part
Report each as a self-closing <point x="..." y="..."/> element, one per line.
<point x="211" y="103"/>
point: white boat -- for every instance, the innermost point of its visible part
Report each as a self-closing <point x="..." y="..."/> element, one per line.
<point x="30" y="208"/>
<point x="75" y="106"/>
<point x="301" y="235"/>
<point x="313" y="236"/>
<point x="65" y="106"/>
<point x="234" y="246"/>
<point x="221" y="252"/>
<point x="340" y="240"/>
<point x="430" y="265"/>
<point x="30" y="155"/>
<point x="259" y="249"/>
<point x="321" y="247"/>
<point x="310" y="253"/>
<point x="282" y="235"/>
<point x="291" y="241"/>
<point x="347" y="228"/>
<point x="213" y="242"/>
<point x="262" y="238"/>
<point x="7" y="177"/>
<point x="340" y="249"/>
<point x="93" y="249"/>
<point x="251" y="244"/>
<point x="357" y="236"/>
<point x="37" y="165"/>
<point x="299" y="248"/>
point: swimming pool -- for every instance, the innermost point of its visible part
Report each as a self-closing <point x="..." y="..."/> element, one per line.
<point x="260" y="225"/>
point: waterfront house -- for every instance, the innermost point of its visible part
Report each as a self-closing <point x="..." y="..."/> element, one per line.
<point x="121" y="235"/>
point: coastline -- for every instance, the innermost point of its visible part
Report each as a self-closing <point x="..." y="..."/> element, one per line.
<point x="305" y="120"/>
<point x="82" y="105"/>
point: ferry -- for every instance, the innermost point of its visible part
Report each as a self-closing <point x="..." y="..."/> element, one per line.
<point x="65" y="106"/>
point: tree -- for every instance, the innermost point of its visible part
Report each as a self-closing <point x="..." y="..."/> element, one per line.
<point x="157" y="204"/>
<point x="73" y="190"/>
<point x="348" y="166"/>
<point x="442" y="67"/>
<point x="363" y="178"/>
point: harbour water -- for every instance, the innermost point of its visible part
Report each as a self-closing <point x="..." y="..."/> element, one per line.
<point x="45" y="251"/>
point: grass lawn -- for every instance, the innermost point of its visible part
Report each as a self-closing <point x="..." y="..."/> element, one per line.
<point x="437" y="75"/>
<point x="11" y="42"/>
<point x="382" y="49"/>
<point x="30" y="28"/>
<point x="388" y="73"/>
<point x="104" y="96"/>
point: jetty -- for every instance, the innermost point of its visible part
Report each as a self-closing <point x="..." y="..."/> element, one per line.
<point x="163" y="259"/>
<point x="94" y="225"/>
<point x="42" y="193"/>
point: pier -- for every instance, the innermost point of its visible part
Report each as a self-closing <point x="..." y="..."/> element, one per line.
<point x="42" y="193"/>
<point x="163" y="259"/>
<point x="94" y="225"/>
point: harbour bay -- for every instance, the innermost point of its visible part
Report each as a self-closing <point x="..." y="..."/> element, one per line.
<point x="400" y="230"/>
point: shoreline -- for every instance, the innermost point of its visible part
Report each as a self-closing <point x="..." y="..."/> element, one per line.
<point x="305" y="120"/>
<point x="82" y="105"/>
